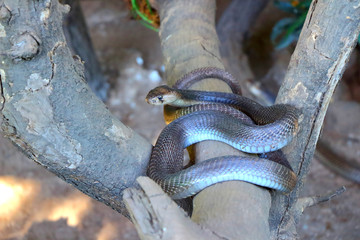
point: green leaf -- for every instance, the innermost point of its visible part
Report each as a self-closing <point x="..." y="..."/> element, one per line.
<point x="144" y="20"/>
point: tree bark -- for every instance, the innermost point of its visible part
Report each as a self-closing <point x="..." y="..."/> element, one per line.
<point x="316" y="66"/>
<point x="51" y="113"/>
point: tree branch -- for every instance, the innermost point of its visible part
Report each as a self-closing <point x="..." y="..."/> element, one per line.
<point x="51" y="113"/>
<point x="233" y="27"/>
<point x="79" y="41"/>
<point x="316" y="66"/>
<point x="163" y="218"/>
<point x="189" y="41"/>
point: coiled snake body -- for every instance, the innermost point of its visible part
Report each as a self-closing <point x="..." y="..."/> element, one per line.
<point x="220" y="120"/>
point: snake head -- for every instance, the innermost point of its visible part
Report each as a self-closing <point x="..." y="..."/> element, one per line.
<point x="161" y="95"/>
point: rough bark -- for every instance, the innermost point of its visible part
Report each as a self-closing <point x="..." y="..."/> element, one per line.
<point x="156" y="216"/>
<point x="316" y="66"/>
<point x="51" y="113"/>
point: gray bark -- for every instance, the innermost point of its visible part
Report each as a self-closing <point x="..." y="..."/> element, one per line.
<point x="51" y="113"/>
<point x="316" y="67"/>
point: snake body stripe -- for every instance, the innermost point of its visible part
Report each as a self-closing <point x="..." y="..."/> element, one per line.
<point x="172" y="113"/>
<point x="167" y="155"/>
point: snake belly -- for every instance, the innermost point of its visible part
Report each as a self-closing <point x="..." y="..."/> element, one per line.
<point x="166" y="160"/>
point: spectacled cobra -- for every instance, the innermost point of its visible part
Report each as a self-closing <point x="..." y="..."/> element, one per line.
<point x="216" y="116"/>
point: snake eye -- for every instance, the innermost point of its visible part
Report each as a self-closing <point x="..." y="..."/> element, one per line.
<point x="160" y="98"/>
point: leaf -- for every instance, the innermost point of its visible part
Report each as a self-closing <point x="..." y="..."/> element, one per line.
<point x="291" y="28"/>
<point x="285" y="6"/>
<point x="280" y="27"/>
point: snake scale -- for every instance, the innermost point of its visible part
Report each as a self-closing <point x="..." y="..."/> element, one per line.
<point x="220" y="116"/>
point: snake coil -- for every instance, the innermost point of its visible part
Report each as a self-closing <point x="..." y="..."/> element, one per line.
<point x="216" y="116"/>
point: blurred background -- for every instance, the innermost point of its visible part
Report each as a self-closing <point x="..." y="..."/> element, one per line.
<point x="34" y="204"/>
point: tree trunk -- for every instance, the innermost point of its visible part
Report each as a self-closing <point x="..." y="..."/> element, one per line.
<point x="316" y="66"/>
<point x="51" y="113"/>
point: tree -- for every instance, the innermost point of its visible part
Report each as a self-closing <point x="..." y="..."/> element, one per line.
<point x="74" y="136"/>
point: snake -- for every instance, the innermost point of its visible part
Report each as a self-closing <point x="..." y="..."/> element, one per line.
<point x="220" y="116"/>
<point x="208" y="72"/>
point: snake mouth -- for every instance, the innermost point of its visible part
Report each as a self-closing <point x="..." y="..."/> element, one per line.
<point x="154" y="101"/>
<point x="158" y="100"/>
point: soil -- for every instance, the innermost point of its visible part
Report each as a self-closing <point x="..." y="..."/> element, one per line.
<point x="35" y="204"/>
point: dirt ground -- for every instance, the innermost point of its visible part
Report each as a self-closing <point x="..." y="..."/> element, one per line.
<point x="34" y="204"/>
